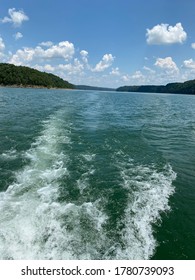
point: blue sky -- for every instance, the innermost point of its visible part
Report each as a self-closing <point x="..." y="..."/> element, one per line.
<point x="101" y="42"/>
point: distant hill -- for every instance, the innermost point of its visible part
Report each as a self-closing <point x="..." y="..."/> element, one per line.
<point x="187" y="87"/>
<point x="83" y="87"/>
<point x="11" y="75"/>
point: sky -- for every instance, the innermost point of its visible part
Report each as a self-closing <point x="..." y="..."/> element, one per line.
<point x="108" y="43"/>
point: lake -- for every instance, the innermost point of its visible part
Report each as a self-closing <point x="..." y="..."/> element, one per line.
<point x="96" y="175"/>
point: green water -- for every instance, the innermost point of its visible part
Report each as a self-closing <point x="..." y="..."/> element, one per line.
<point x="96" y="175"/>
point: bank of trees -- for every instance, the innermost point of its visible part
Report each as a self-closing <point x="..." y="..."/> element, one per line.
<point x="11" y="75"/>
<point x="187" y="87"/>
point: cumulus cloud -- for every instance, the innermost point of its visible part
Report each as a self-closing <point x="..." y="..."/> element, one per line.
<point x="167" y="64"/>
<point x="15" y="17"/>
<point x="105" y="63"/>
<point x="190" y="63"/>
<point x="166" y="34"/>
<point x="18" y="36"/>
<point x="64" y="50"/>
<point x="72" y="68"/>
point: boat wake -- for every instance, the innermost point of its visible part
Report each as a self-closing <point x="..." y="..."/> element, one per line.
<point x="36" y="223"/>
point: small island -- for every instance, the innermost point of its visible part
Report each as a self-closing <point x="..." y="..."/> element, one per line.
<point x="22" y="76"/>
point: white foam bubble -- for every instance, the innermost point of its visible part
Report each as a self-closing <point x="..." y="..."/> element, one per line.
<point x="9" y="155"/>
<point x="83" y="181"/>
<point x="88" y="157"/>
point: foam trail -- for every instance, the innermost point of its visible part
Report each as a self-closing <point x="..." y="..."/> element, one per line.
<point x="148" y="192"/>
<point x="33" y="221"/>
<point x="35" y="187"/>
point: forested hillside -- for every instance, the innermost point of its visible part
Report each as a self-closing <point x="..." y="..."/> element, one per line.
<point x="11" y="75"/>
<point x="187" y="87"/>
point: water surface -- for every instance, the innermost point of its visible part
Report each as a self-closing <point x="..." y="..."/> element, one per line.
<point x="96" y="175"/>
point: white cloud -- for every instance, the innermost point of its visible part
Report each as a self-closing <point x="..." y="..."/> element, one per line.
<point x="167" y="64"/>
<point x="115" y="71"/>
<point x="2" y="48"/>
<point x="137" y="75"/>
<point x="168" y="72"/>
<point x="105" y="63"/>
<point x="22" y="57"/>
<point x="166" y="34"/>
<point x="64" y="50"/>
<point x="190" y="63"/>
<point x="193" y="45"/>
<point x="126" y="78"/>
<point x="84" y="55"/>
<point x="15" y="17"/>
<point x="46" y="44"/>
<point x="72" y="68"/>
<point x="46" y="67"/>
<point x="136" y="78"/>
<point x="149" y="69"/>
<point x="49" y="68"/>
<point x="65" y="71"/>
<point x="18" y="36"/>
<point x="2" y="45"/>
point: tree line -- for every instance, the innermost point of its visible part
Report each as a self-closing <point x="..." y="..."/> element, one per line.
<point x="11" y="75"/>
<point x="187" y="87"/>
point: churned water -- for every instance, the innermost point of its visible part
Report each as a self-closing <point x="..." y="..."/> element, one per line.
<point x="96" y="175"/>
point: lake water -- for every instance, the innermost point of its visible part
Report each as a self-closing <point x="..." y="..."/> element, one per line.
<point x="96" y="175"/>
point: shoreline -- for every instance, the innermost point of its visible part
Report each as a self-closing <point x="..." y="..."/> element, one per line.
<point x="33" y="87"/>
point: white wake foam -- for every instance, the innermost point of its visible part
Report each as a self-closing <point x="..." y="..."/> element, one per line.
<point x="9" y="155"/>
<point x="33" y="223"/>
<point x="149" y="193"/>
